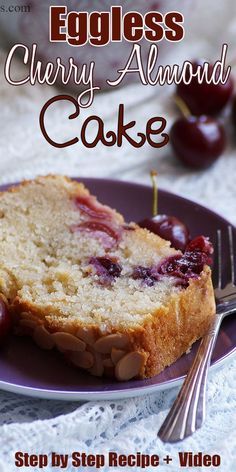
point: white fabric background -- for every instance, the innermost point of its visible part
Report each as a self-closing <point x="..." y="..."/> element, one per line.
<point x="130" y="425"/>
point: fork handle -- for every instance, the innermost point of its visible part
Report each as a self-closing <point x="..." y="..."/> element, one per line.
<point x="188" y="411"/>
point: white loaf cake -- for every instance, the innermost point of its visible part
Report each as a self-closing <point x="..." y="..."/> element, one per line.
<point x="112" y="297"/>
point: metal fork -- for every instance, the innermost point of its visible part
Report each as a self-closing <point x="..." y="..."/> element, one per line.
<point x="188" y="411"/>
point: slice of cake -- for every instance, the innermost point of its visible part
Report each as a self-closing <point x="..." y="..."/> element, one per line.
<point x="115" y="299"/>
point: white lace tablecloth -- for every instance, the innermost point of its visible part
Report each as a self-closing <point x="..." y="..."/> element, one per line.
<point x="127" y="425"/>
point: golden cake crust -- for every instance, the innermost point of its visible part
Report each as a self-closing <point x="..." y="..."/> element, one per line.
<point x="170" y="331"/>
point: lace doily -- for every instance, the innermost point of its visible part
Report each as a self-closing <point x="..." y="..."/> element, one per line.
<point x="126" y="426"/>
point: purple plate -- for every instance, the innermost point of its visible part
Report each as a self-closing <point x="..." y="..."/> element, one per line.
<point x="26" y="369"/>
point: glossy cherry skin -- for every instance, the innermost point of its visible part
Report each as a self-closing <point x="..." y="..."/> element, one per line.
<point x="203" y="98"/>
<point x="197" y="141"/>
<point x="170" y="228"/>
<point x="5" y="322"/>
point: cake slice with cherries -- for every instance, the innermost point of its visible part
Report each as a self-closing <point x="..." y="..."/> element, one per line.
<point x="113" y="298"/>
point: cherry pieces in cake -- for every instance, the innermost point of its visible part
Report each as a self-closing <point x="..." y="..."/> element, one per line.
<point x="90" y="206"/>
<point x="5" y="321"/>
<point x="99" y="221"/>
<point x="169" y="228"/>
<point x="107" y="233"/>
<point x="197" y="141"/>
<point x="180" y="266"/>
<point x="106" y="268"/>
<point x="203" y="98"/>
<point x="185" y="267"/>
<point x="93" y="226"/>
<point x="202" y="244"/>
<point x="149" y="275"/>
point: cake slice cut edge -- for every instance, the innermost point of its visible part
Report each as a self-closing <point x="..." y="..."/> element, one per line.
<point x="77" y="278"/>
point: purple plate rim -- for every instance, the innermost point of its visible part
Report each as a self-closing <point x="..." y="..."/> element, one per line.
<point x="163" y="191"/>
<point x="122" y="392"/>
<point x="105" y="395"/>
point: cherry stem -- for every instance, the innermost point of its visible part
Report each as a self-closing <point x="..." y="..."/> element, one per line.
<point x="153" y="174"/>
<point x="182" y="106"/>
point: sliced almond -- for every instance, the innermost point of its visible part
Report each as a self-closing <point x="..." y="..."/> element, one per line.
<point x="27" y="323"/>
<point x="105" y="344"/>
<point x="117" y="354"/>
<point x="43" y="338"/>
<point x="84" y="359"/>
<point x="98" y="367"/>
<point x="87" y="335"/>
<point x="129" y="366"/>
<point x="68" y="342"/>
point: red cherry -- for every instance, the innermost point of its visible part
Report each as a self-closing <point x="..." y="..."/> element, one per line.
<point x="170" y="228"/>
<point x="203" y="98"/>
<point x="197" y="141"/>
<point x="5" y="321"/>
